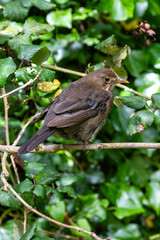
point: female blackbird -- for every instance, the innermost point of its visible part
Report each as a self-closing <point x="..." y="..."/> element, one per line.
<point x="80" y="111"/>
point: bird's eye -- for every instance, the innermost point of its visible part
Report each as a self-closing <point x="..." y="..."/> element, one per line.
<point x="107" y="79"/>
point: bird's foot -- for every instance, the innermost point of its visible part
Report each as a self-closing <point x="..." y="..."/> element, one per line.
<point x="85" y="144"/>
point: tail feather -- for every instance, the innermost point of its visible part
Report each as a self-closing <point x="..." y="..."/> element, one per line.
<point x="34" y="141"/>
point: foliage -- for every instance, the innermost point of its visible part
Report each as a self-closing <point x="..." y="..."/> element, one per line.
<point x="113" y="193"/>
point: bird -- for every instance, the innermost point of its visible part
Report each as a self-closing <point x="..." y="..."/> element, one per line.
<point x="79" y="112"/>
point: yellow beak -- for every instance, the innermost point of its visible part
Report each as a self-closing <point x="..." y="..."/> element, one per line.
<point x="122" y="81"/>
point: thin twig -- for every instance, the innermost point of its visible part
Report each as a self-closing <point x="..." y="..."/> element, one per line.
<point x="8" y="186"/>
<point x="23" y="86"/>
<point x="24" y="128"/>
<point x="58" y="234"/>
<point x="55" y="67"/>
<point x="25" y="220"/>
<point x="94" y="146"/>
<point x="6" y="107"/>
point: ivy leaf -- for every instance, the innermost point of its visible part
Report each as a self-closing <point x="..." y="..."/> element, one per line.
<point x="37" y="54"/>
<point x="129" y="202"/>
<point x="7" y="67"/>
<point x="39" y="190"/>
<point x="33" y="168"/>
<point x="36" y="28"/>
<point x="137" y="62"/>
<point x="140" y="120"/>
<point x="153" y="193"/>
<point x="7" y="199"/>
<point x="24" y="186"/>
<point x="121" y="55"/>
<point x="15" y="11"/>
<point x="156" y="100"/>
<point x="108" y="46"/>
<point x="60" y="18"/>
<point x="119" y="10"/>
<point x="57" y="211"/>
<point x="43" y="5"/>
<point x="26" y="73"/>
<point x="30" y="232"/>
<point x="68" y="189"/>
<point x="136" y="102"/>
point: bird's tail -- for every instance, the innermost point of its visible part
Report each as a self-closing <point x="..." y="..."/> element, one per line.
<point x="34" y="141"/>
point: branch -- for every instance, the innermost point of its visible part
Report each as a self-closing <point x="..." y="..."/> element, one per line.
<point x="54" y="67"/>
<point x="95" y="146"/>
<point x="23" y="86"/>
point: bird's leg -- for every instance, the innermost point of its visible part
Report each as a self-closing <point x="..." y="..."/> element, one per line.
<point x="85" y="144"/>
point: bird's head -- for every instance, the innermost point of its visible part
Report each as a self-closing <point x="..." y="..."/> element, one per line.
<point x="106" y="79"/>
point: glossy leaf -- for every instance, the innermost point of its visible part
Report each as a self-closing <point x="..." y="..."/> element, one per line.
<point x="129" y="202"/>
<point x="7" y="67"/>
<point x="30" y="232"/>
<point x="7" y="199"/>
<point x="57" y="211"/>
<point x="37" y="54"/>
<point x="136" y="102"/>
<point x="24" y="186"/>
<point x="140" y="120"/>
<point x="153" y="193"/>
<point x="156" y="100"/>
<point x="33" y="168"/>
<point x="15" y="11"/>
<point x="119" y="10"/>
<point x="39" y="190"/>
<point x="60" y="18"/>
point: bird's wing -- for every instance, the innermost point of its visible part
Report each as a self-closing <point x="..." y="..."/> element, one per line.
<point x="70" y="113"/>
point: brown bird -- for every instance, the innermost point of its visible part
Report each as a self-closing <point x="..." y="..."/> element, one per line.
<point x="79" y="112"/>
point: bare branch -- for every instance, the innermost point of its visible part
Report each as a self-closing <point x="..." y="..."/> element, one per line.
<point x="57" y="147"/>
<point x="23" y="86"/>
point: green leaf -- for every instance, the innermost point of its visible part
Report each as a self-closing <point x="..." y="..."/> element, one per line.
<point x="83" y="13"/>
<point x="7" y="67"/>
<point x="121" y="55"/>
<point x="121" y="72"/>
<point x="36" y="28"/>
<point x="156" y="100"/>
<point x="30" y="232"/>
<point x="140" y="120"/>
<point x="6" y="231"/>
<point x="155" y="176"/>
<point x="7" y="199"/>
<point x="137" y="62"/>
<point x="119" y="10"/>
<point x="136" y="102"/>
<point x="84" y="224"/>
<point x="26" y="73"/>
<point x="39" y="190"/>
<point x="129" y="231"/>
<point x="15" y="42"/>
<point x="68" y="180"/>
<point x="69" y="190"/>
<point x="57" y="211"/>
<point x="15" y="11"/>
<point x="60" y="18"/>
<point x="43" y="5"/>
<point x="153" y="193"/>
<point x="33" y="168"/>
<point x="37" y="54"/>
<point x="94" y="207"/>
<point x="108" y="46"/>
<point x="129" y="202"/>
<point x="24" y="186"/>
